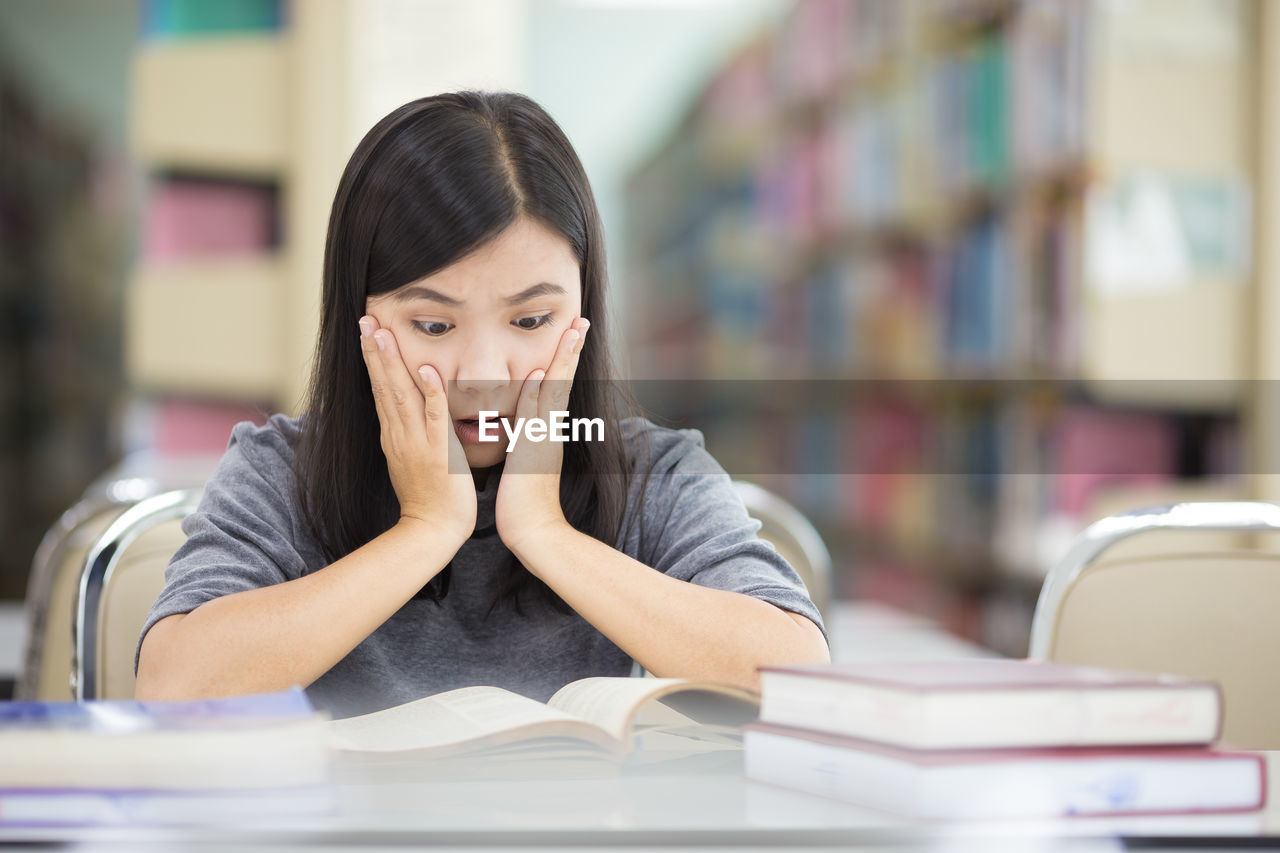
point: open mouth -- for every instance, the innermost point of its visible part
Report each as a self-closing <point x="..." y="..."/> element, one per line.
<point x="468" y="429"/>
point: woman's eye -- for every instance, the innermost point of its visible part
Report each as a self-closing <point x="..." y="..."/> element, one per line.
<point x="528" y="324"/>
<point x="433" y="328"/>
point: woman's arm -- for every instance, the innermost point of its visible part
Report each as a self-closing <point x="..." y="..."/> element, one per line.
<point x="672" y="627"/>
<point x="271" y="638"/>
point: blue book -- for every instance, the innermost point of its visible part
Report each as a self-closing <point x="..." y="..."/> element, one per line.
<point x="127" y="716"/>
<point x="244" y="742"/>
<point x="196" y="18"/>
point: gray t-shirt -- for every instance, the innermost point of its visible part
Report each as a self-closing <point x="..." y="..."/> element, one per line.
<point x="248" y="532"/>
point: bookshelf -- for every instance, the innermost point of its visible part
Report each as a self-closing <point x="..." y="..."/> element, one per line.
<point x="60" y="277"/>
<point x="1007" y="239"/>
<point x="239" y="121"/>
<point x="265" y="100"/>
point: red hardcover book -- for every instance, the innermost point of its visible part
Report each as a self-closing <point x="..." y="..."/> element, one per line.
<point x="992" y="703"/>
<point x="1006" y="783"/>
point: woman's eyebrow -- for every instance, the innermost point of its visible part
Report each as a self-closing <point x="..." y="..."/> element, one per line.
<point x="544" y="288"/>
<point x="419" y="291"/>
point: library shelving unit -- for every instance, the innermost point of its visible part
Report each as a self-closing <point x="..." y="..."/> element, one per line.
<point x="60" y="270"/>
<point x="235" y="113"/>
<point x="253" y="106"/>
<point x="982" y="266"/>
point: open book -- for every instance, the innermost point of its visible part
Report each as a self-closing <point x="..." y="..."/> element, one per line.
<point x="608" y="716"/>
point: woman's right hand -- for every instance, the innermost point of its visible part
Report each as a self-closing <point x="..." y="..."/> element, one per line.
<point x="428" y="468"/>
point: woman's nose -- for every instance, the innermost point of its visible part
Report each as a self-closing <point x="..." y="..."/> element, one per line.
<point x="481" y="365"/>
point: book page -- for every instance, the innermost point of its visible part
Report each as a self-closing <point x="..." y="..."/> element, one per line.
<point x="609" y="702"/>
<point x="613" y="702"/>
<point x="457" y="717"/>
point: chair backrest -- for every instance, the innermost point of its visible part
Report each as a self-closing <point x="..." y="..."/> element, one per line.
<point x="51" y="587"/>
<point x="59" y="561"/>
<point x="1206" y="615"/>
<point x="121" y="578"/>
<point x="794" y="537"/>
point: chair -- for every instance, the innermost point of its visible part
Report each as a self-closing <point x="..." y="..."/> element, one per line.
<point x="121" y="578"/>
<point x="56" y="567"/>
<point x="794" y="537"/>
<point x="1205" y="615"/>
<point x="55" y="570"/>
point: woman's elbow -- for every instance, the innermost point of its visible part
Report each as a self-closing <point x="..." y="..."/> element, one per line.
<point x="805" y="645"/>
<point x="156" y="679"/>
<point x="811" y="645"/>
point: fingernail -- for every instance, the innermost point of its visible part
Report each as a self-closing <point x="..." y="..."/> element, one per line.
<point x="422" y="371"/>
<point x="366" y="327"/>
<point x="537" y="377"/>
<point x="573" y="336"/>
<point x="586" y="324"/>
<point x="381" y="340"/>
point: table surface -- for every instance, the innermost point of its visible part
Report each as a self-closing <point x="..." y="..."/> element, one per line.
<point x="701" y="801"/>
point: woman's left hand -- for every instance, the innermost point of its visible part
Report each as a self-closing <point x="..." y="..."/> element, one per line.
<point x="529" y="492"/>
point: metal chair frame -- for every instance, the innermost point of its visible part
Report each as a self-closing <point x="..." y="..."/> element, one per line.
<point x="801" y="529"/>
<point x="98" y="498"/>
<point x="1230" y="516"/>
<point x="100" y="564"/>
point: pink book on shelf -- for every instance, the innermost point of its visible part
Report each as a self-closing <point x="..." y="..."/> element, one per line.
<point x="888" y="443"/>
<point x="1095" y="447"/>
<point x="185" y="218"/>
<point x="188" y="427"/>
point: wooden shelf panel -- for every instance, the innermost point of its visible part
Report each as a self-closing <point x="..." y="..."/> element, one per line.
<point x="215" y="105"/>
<point x="207" y="327"/>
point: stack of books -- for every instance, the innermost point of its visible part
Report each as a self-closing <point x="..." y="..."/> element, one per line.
<point x="999" y="739"/>
<point x="118" y="762"/>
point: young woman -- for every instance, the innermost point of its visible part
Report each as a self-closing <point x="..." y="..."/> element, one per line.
<point x="376" y="550"/>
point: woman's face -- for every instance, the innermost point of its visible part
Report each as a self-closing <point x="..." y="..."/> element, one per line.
<point x="487" y="321"/>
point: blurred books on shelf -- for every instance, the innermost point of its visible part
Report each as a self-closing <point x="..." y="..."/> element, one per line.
<point x="169" y="19"/>
<point x="954" y="196"/>
<point x="209" y="300"/>
<point x="64" y="193"/>
<point x="180" y="427"/>
<point x="187" y="217"/>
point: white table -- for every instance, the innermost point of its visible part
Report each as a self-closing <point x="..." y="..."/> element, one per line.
<point x="651" y="807"/>
<point x="869" y="631"/>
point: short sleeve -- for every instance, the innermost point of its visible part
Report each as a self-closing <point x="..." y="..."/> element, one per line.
<point x="243" y="533"/>
<point x="696" y="528"/>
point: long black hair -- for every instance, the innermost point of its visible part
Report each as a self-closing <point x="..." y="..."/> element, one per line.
<point x="430" y="183"/>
